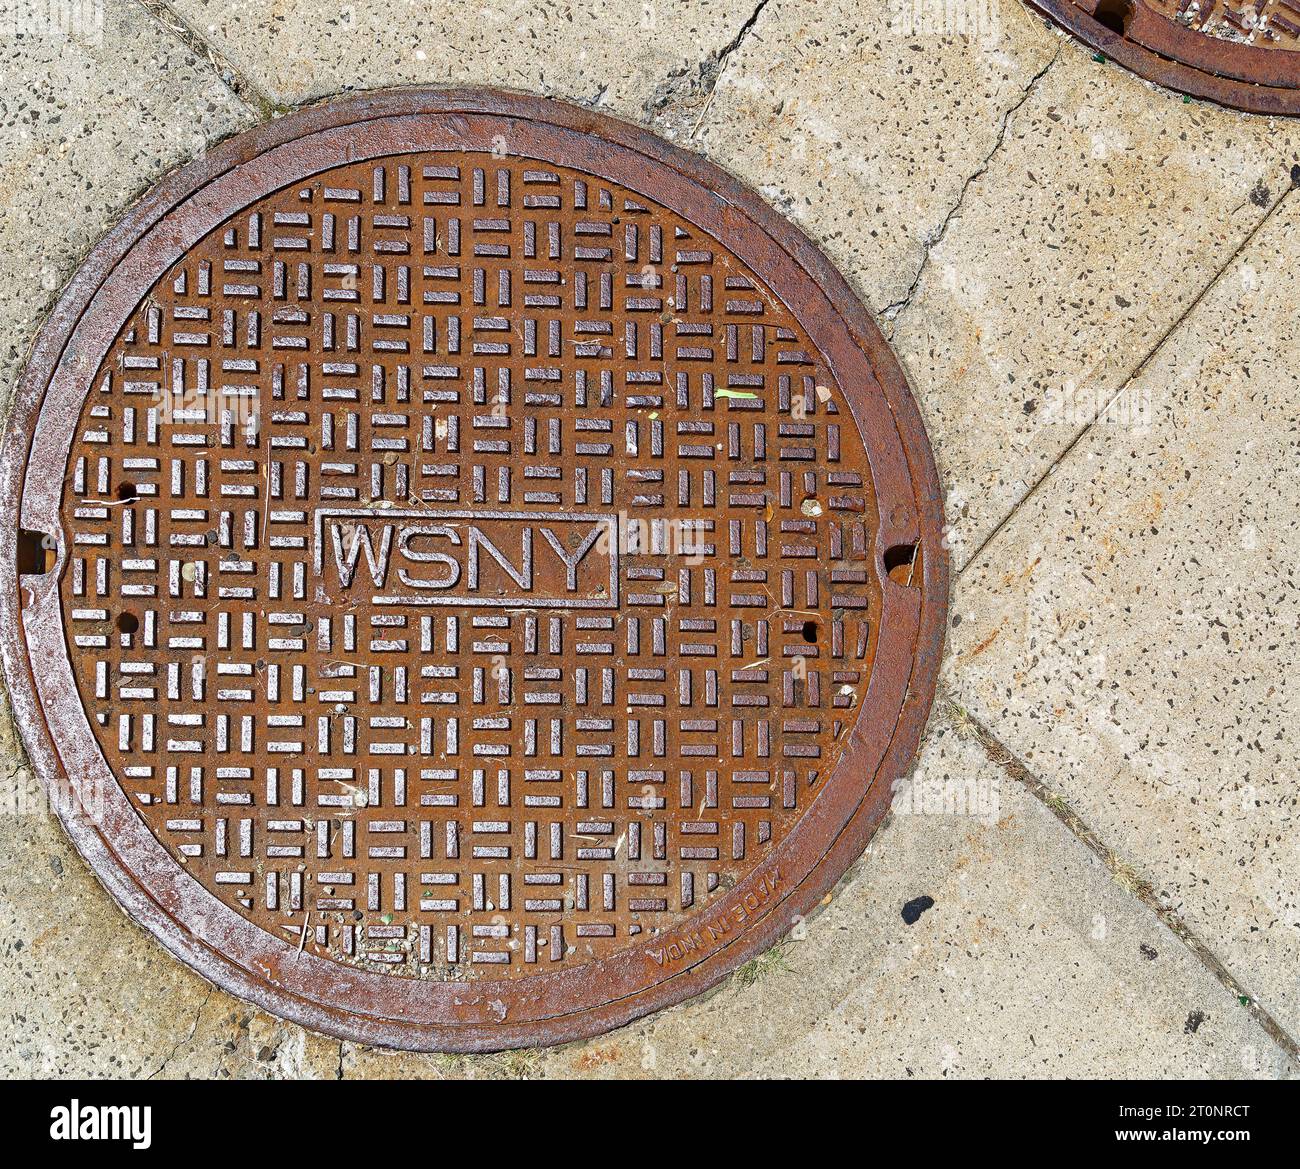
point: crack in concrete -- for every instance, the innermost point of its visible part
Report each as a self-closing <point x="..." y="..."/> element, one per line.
<point x="724" y="57"/>
<point x="192" y="39"/>
<point x="745" y="29"/>
<point x="684" y="86"/>
<point x="1129" y="381"/>
<point x="892" y="311"/>
<point x="1123" y="874"/>
<point x="194" y="1027"/>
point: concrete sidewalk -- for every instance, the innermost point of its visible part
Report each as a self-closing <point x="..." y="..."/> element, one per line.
<point x="1089" y="282"/>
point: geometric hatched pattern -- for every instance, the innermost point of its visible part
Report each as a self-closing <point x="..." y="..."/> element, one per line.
<point x="471" y="566"/>
<point x="1273" y="24"/>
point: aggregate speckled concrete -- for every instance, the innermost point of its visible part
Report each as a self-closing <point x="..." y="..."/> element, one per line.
<point x="1131" y="631"/>
<point x="624" y="58"/>
<point x="1040" y="233"/>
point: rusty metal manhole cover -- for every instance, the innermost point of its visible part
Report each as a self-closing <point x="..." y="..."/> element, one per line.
<point x="1240" y="53"/>
<point x="479" y="569"/>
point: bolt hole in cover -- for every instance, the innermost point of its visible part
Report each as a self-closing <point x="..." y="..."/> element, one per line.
<point x="1240" y="53"/>
<point x="439" y="638"/>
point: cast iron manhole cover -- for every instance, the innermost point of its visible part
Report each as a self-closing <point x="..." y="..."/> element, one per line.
<point x="479" y="569"/>
<point x="1241" y="53"/>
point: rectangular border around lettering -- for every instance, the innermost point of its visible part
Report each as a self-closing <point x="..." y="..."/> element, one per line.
<point x="430" y="513"/>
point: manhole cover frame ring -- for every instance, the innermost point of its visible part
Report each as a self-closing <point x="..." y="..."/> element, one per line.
<point x="1171" y="73"/>
<point x="911" y="668"/>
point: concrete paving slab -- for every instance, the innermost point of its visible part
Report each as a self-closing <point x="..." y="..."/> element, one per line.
<point x="88" y="123"/>
<point x="1108" y="208"/>
<point x="615" y="57"/>
<point x="1131" y="630"/>
<point x="864" y="129"/>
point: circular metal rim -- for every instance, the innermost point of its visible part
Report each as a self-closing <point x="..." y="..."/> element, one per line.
<point x="922" y="611"/>
<point x="1172" y="74"/>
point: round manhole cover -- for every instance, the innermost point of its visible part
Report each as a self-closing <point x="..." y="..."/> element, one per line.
<point x="1241" y="53"/>
<point x="479" y="571"/>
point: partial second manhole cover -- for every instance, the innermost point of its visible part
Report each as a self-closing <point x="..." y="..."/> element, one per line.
<point x="1240" y="53"/>
<point x="479" y="570"/>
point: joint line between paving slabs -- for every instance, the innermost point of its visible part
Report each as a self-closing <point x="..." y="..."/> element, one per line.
<point x="230" y="77"/>
<point x="891" y="312"/>
<point x="1121" y="872"/>
<point x="1130" y="380"/>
